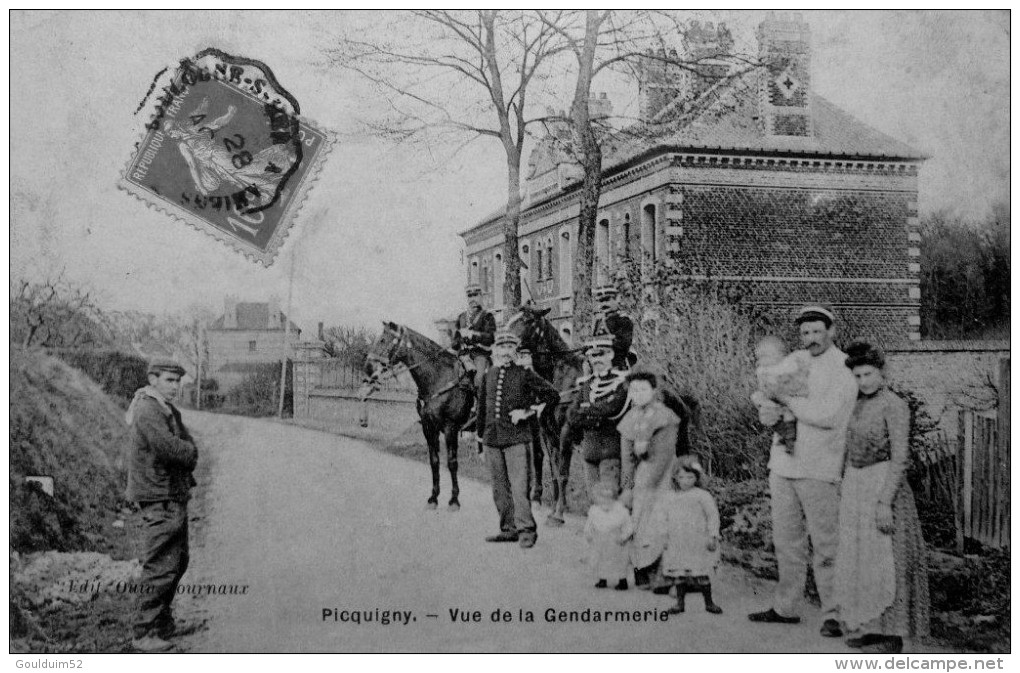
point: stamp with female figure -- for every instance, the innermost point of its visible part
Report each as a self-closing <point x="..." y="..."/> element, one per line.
<point x="227" y="152"/>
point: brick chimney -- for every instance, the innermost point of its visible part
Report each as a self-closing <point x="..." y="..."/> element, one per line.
<point x="274" y="319"/>
<point x="599" y="106"/>
<point x="784" y="83"/>
<point x="659" y="82"/>
<point x="704" y="46"/>
<point x="230" y="312"/>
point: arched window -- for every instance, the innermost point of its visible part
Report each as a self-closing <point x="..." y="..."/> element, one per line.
<point x="549" y="257"/>
<point x="497" y="282"/>
<point x="485" y="276"/>
<point x="473" y="272"/>
<point x="625" y="245"/>
<point x="648" y="232"/>
<point x="602" y="252"/>
<point x="525" y="270"/>
<point x="539" y="262"/>
<point x="566" y="264"/>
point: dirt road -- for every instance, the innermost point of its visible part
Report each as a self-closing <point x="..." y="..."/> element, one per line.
<point x="309" y="529"/>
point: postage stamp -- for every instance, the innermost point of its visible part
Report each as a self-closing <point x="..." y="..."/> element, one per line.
<point x="227" y="152"/>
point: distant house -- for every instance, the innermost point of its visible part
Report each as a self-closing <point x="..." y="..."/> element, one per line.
<point x="247" y="335"/>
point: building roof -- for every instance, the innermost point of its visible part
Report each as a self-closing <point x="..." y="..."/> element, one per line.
<point x="726" y="120"/>
<point x="253" y="316"/>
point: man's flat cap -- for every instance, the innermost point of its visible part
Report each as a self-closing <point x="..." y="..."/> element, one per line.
<point x="158" y="365"/>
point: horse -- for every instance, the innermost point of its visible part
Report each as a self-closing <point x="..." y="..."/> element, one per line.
<point x="561" y="365"/>
<point x="443" y="404"/>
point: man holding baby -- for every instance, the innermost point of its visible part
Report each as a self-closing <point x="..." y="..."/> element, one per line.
<point x="814" y="388"/>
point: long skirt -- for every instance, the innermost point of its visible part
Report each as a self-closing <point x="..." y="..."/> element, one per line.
<point x="881" y="580"/>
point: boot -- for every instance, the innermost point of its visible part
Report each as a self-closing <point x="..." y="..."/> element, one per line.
<point x="710" y="606"/>
<point x="681" y="592"/>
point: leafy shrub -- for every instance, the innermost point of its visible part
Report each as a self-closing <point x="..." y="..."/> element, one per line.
<point x="119" y="374"/>
<point x="703" y="341"/>
<point x="971" y="601"/>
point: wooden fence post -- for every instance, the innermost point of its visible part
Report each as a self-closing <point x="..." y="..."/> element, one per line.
<point x="961" y="475"/>
<point x="1003" y="451"/>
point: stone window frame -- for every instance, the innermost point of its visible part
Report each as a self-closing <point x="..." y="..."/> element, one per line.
<point x="566" y="241"/>
<point x="655" y="246"/>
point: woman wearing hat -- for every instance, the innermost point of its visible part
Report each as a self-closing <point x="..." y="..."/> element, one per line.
<point x="882" y="564"/>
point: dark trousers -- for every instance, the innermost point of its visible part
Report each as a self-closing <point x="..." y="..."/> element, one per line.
<point x="509" y="468"/>
<point x="164" y="537"/>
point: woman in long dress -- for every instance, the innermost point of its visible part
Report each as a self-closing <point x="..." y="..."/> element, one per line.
<point x="882" y="563"/>
<point x="647" y="450"/>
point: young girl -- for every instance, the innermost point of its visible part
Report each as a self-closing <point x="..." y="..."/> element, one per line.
<point x="692" y="535"/>
<point x="608" y="530"/>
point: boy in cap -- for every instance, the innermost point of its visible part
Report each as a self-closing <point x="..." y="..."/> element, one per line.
<point x="509" y="395"/>
<point x="804" y="483"/>
<point x="161" y="459"/>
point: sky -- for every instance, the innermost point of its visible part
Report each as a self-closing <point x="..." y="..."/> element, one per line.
<point x="377" y="237"/>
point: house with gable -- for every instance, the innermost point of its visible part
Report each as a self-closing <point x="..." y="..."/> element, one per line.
<point x="248" y="335"/>
<point x="752" y="180"/>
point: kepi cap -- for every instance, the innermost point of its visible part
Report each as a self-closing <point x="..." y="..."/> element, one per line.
<point x="159" y="365"/>
<point x="606" y="292"/>
<point x="506" y="337"/>
<point x="473" y="290"/>
<point x="601" y="339"/>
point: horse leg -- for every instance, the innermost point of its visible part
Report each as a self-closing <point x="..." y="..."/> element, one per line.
<point x="561" y="473"/>
<point x="452" y="430"/>
<point x="537" y="454"/>
<point x="432" y="439"/>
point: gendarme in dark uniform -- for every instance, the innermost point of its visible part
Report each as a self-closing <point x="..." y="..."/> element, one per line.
<point x="612" y="321"/>
<point x="598" y="404"/>
<point x="473" y="334"/>
<point x="507" y="396"/>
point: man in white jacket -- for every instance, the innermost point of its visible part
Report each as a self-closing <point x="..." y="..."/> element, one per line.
<point x="804" y="484"/>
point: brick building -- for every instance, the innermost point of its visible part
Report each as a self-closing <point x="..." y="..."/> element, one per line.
<point x="248" y="334"/>
<point x="754" y="181"/>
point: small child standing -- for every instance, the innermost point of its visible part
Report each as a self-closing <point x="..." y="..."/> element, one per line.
<point x="608" y="530"/>
<point x="692" y="535"/>
<point x="779" y="372"/>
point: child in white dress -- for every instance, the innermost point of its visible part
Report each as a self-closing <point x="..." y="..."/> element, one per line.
<point x="608" y="531"/>
<point x="691" y="521"/>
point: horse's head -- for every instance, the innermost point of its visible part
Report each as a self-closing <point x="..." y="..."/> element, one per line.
<point x="389" y="349"/>
<point x="532" y="328"/>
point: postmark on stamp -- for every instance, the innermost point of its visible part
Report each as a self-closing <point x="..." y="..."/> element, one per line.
<point x="228" y="152"/>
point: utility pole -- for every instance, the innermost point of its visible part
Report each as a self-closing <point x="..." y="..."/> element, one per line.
<point x="286" y="333"/>
<point x="198" y="361"/>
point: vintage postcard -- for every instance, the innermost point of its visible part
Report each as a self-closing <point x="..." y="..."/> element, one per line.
<point x="510" y="331"/>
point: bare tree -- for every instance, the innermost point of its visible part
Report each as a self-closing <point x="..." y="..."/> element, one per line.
<point x="604" y="41"/>
<point x="178" y="335"/>
<point x="467" y="73"/>
<point x="55" y="313"/>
